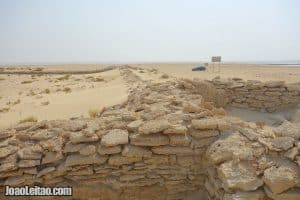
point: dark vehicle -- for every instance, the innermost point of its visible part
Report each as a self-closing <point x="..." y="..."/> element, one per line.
<point x="199" y="68"/>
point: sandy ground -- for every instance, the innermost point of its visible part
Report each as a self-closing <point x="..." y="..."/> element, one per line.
<point x="67" y="96"/>
<point x="244" y="71"/>
<point x="30" y="99"/>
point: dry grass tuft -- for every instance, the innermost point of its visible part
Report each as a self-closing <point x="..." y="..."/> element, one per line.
<point x="26" y="82"/>
<point x="17" y="102"/>
<point x="38" y="69"/>
<point x="45" y="103"/>
<point x="3" y="110"/>
<point x="93" y="113"/>
<point x="67" y="90"/>
<point x="28" y="119"/>
<point x="65" y="77"/>
<point x="47" y="91"/>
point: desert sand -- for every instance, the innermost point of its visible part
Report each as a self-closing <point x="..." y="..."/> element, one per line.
<point x="60" y="96"/>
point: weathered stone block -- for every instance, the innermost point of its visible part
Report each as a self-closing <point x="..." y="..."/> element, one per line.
<point x="115" y="137"/>
<point x="149" y="140"/>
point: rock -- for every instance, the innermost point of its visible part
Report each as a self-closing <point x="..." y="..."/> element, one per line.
<point x="102" y="150"/>
<point x="6" y="151"/>
<point x="292" y="153"/>
<point x="169" y="150"/>
<point x="157" y="160"/>
<point x="114" y="138"/>
<point x="240" y="176"/>
<point x="54" y="144"/>
<point x="229" y="146"/>
<point x="199" y="134"/>
<point x="176" y="129"/>
<point x="30" y="153"/>
<point x="249" y="133"/>
<point x="24" y="126"/>
<point x="76" y="159"/>
<point x="282" y="178"/>
<point x="121" y="160"/>
<point x="135" y="151"/>
<point x="7" y="133"/>
<point x="13" y="181"/>
<point x="43" y="135"/>
<point x="79" y="137"/>
<point x="129" y="178"/>
<point x="87" y="150"/>
<point x="185" y="161"/>
<point x="282" y="143"/>
<point x="179" y="140"/>
<point x="149" y="140"/>
<point x="292" y="194"/>
<point x="28" y="163"/>
<point x="73" y="125"/>
<point x="52" y="157"/>
<point x="288" y="129"/>
<point x="8" y="167"/>
<point x="91" y="129"/>
<point x="274" y="84"/>
<point x="207" y="123"/>
<point x="45" y="171"/>
<point x="204" y="142"/>
<point x="71" y="148"/>
<point x="154" y="126"/>
<point x="134" y="126"/>
<point x="253" y="195"/>
<point x="190" y="107"/>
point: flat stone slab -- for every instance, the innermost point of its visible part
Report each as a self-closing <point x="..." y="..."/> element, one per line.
<point x="115" y="137"/>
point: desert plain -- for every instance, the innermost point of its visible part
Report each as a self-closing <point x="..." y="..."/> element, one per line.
<point x="44" y="92"/>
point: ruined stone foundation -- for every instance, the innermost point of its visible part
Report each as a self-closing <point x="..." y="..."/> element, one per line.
<point x="168" y="141"/>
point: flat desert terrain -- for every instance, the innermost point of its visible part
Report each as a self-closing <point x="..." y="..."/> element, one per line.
<point x="55" y="92"/>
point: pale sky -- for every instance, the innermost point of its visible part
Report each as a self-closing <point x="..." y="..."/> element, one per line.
<point x="88" y="31"/>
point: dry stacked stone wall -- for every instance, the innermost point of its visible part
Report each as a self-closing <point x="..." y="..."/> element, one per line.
<point x="267" y="96"/>
<point x="166" y="142"/>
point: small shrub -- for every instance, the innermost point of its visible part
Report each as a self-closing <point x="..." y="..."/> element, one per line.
<point x="67" y="90"/>
<point x="3" y="110"/>
<point x="28" y="119"/>
<point x="45" y="103"/>
<point x="38" y="69"/>
<point x="164" y="76"/>
<point x="65" y="77"/>
<point x="93" y="113"/>
<point x="47" y="91"/>
<point x="26" y="82"/>
<point x="98" y="79"/>
<point x="31" y="93"/>
<point x="17" y="102"/>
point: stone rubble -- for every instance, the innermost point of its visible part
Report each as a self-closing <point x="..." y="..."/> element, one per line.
<point x="168" y="141"/>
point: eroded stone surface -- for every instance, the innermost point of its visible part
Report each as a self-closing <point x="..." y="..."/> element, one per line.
<point x="115" y="137"/>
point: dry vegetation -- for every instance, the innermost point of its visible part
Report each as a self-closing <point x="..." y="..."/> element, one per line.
<point x="47" y="91"/>
<point x="28" y="119"/>
<point x="65" y="77"/>
<point x="67" y="90"/>
<point x="3" y="110"/>
<point x="45" y="103"/>
<point x="26" y="82"/>
<point x="93" y="113"/>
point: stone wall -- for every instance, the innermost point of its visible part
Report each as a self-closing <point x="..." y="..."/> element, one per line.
<point x="263" y="96"/>
<point x="166" y="142"/>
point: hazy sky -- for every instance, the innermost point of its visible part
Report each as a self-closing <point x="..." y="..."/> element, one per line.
<point x="43" y="31"/>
